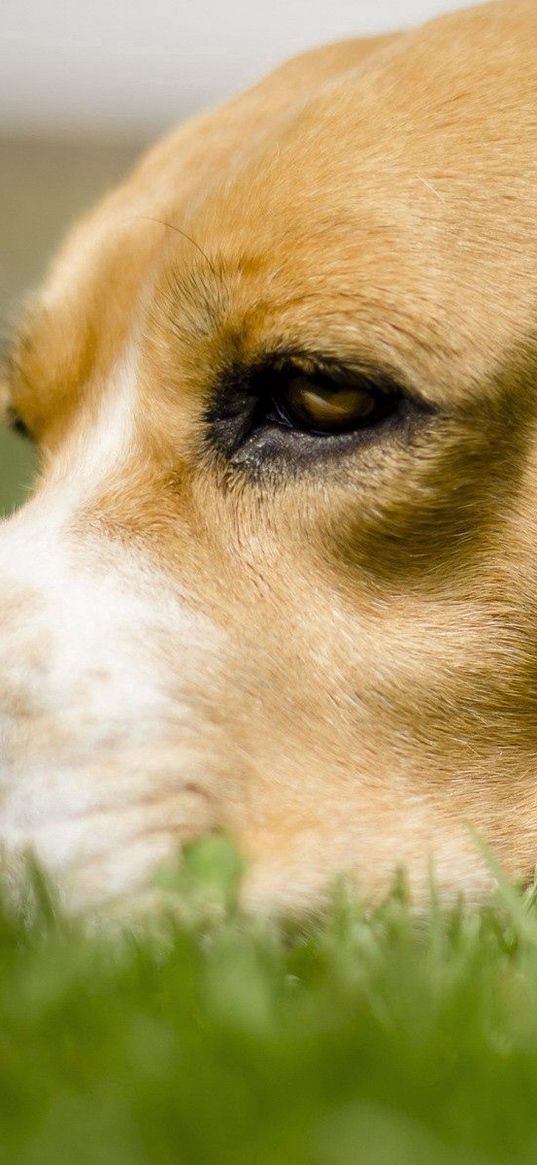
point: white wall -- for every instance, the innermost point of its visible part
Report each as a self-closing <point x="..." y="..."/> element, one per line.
<point x="121" y="68"/>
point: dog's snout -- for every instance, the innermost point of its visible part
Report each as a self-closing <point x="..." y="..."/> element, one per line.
<point x="98" y="753"/>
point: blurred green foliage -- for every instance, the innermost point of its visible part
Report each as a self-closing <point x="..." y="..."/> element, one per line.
<point x="17" y="468"/>
<point x="368" y="1038"/>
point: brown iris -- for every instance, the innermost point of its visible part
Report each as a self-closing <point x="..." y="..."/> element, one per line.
<point x="320" y="406"/>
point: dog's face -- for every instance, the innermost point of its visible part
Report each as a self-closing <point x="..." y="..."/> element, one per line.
<point x="279" y="576"/>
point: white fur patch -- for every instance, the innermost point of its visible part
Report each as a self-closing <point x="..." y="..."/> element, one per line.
<point x="100" y="771"/>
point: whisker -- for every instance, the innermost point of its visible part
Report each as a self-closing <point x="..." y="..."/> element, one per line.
<point x="184" y="235"/>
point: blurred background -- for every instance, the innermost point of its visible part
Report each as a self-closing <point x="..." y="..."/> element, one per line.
<point x="85" y="86"/>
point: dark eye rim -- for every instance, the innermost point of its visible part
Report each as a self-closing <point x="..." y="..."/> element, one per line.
<point x="242" y="424"/>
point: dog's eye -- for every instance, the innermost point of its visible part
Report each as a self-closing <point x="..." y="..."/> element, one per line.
<point x="321" y="407"/>
<point x="297" y="411"/>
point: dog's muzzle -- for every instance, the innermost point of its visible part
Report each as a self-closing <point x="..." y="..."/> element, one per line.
<point x="103" y="753"/>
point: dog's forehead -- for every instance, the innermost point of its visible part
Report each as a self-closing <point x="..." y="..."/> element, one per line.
<point x="389" y="207"/>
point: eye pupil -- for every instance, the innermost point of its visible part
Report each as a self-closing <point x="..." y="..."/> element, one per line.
<point x="316" y="406"/>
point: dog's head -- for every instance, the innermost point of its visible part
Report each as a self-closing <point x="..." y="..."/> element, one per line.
<point x="279" y="575"/>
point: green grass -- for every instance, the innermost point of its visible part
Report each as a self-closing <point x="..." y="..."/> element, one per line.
<point x="381" y="1038"/>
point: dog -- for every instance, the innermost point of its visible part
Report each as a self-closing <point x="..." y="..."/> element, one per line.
<point x="278" y="576"/>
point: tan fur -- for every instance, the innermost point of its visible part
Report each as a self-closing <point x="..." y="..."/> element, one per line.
<point x="376" y="690"/>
